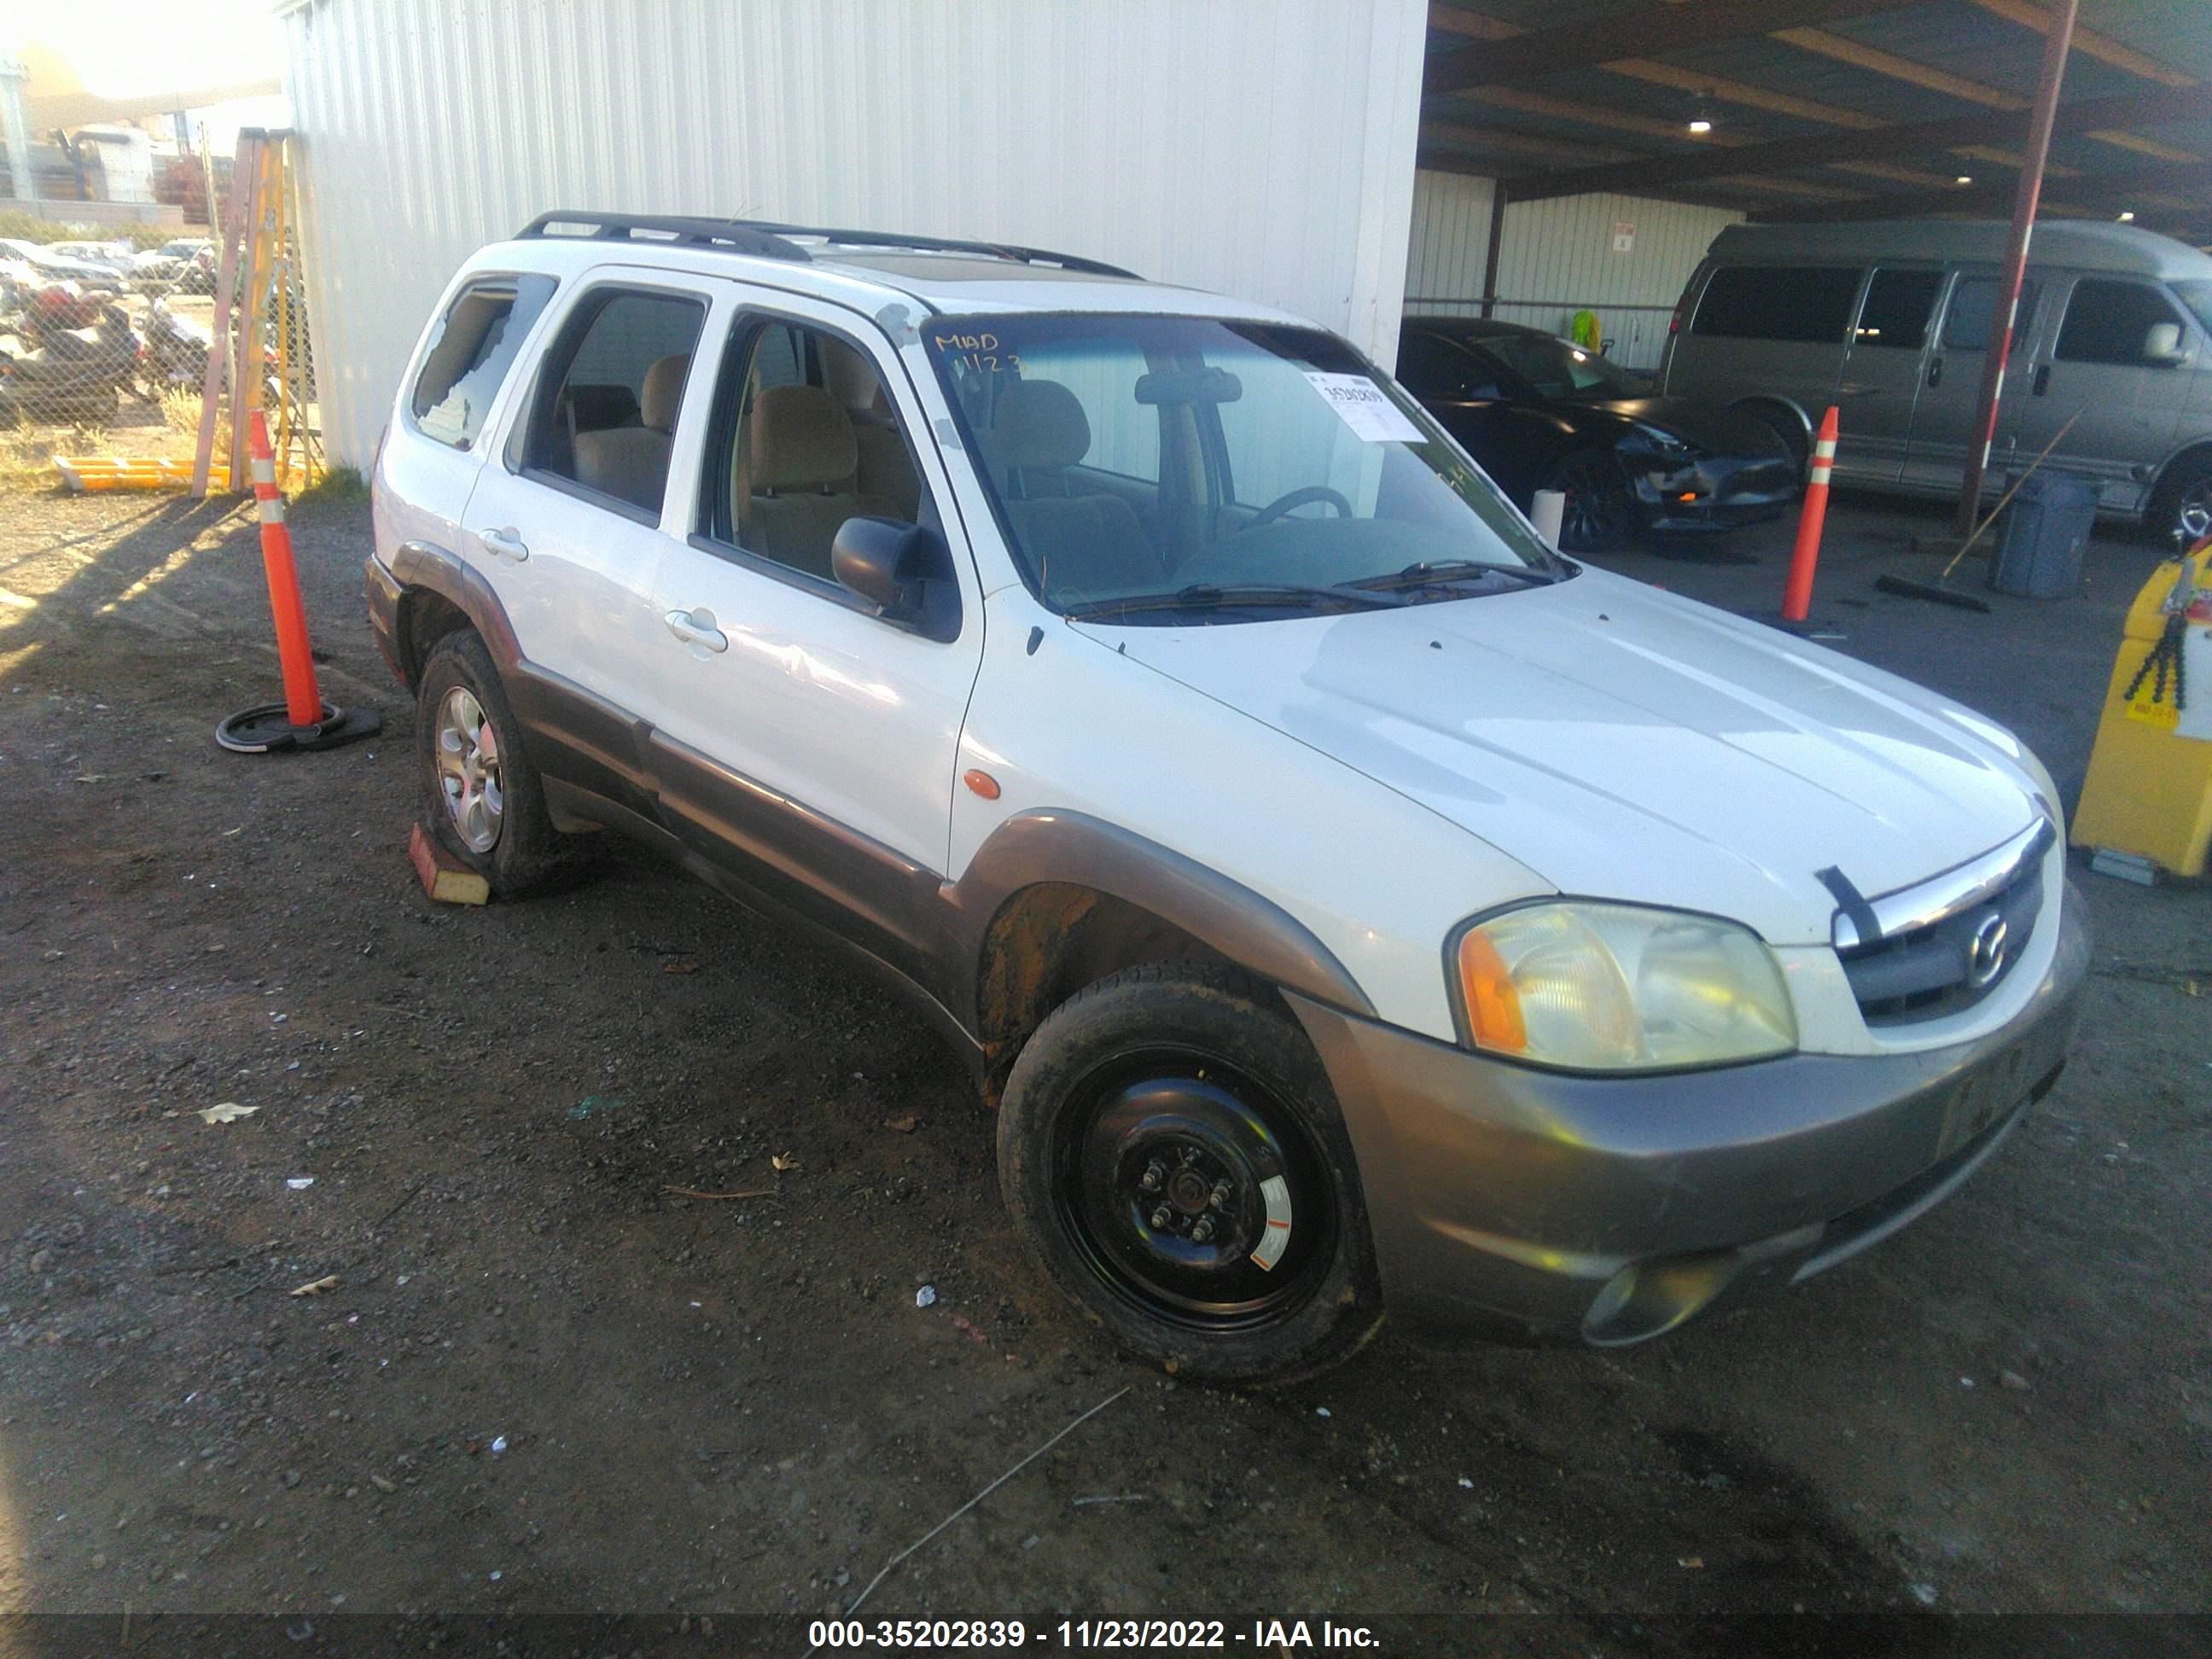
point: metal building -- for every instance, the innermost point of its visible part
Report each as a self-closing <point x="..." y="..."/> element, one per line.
<point x="1264" y="147"/>
<point x="1572" y="154"/>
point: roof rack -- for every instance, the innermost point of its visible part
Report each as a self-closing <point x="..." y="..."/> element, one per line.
<point x="733" y="235"/>
<point x="878" y="239"/>
<point x="766" y="240"/>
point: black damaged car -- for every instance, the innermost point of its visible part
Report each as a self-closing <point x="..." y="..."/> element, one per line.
<point x="1540" y="413"/>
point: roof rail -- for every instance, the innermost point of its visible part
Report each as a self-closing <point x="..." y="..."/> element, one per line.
<point x="766" y="240"/>
<point x="878" y="239"/>
<point x="733" y="235"/>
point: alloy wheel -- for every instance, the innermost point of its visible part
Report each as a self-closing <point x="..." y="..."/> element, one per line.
<point x="469" y="771"/>
<point x="2192" y="513"/>
<point x="1597" y="513"/>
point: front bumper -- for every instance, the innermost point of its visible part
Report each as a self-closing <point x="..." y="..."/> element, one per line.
<point x="1526" y="1205"/>
<point x="1716" y="492"/>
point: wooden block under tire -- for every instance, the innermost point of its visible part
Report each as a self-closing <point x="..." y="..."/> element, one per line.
<point x="444" y="877"/>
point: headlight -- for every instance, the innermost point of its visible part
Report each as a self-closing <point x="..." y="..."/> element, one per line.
<point x="1604" y="987"/>
<point x="1658" y="438"/>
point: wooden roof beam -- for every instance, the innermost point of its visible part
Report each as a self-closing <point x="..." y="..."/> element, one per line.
<point x="1986" y="198"/>
<point x="1505" y="62"/>
<point x="2088" y="42"/>
<point x="1875" y="61"/>
<point x="2150" y="108"/>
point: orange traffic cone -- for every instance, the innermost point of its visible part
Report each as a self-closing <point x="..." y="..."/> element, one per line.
<point x="303" y="719"/>
<point x="1797" y="595"/>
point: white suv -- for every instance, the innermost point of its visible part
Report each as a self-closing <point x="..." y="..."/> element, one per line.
<point x="1343" y="897"/>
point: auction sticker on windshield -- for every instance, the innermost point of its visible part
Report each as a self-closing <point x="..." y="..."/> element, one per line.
<point x="1359" y="403"/>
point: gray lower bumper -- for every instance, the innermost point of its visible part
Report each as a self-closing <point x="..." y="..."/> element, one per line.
<point x="1524" y="1204"/>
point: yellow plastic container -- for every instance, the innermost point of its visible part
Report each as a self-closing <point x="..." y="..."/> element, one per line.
<point x="2149" y="789"/>
<point x="100" y="473"/>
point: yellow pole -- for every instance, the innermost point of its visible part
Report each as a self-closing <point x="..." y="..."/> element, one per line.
<point x="281" y="265"/>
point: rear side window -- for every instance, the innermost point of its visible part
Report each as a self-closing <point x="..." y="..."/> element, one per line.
<point x="1970" y="321"/>
<point x="605" y="412"/>
<point x="2109" y="322"/>
<point x="478" y="339"/>
<point x="1897" y="309"/>
<point x="1808" y="305"/>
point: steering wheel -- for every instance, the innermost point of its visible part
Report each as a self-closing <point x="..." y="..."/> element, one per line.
<point x="1299" y="498"/>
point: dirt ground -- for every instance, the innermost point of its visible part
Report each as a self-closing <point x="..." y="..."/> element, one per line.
<point x="543" y="1383"/>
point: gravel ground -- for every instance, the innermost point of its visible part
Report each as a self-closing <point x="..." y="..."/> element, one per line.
<point x="539" y="1380"/>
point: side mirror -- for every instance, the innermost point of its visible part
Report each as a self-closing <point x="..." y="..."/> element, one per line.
<point x="2162" y="346"/>
<point x="899" y="568"/>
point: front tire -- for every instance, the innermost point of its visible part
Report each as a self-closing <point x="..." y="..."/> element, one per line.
<point x="1600" y="512"/>
<point x="481" y="796"/>
<point x="1170" y="1148"/>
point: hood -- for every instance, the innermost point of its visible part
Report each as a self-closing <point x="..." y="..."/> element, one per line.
<point x="1627" y="744"/>
<point x="1706" y="425"/>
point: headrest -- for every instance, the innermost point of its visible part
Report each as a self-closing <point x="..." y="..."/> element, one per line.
<point x="663" y="391"/>
<point x="800" y="439"/>
<point x="852" y="379"/>
<point x="1040" y="423"/>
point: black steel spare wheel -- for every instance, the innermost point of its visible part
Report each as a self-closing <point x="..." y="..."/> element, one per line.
<point x="1192" y="1193"/>
<point x="1170" y="1147"/>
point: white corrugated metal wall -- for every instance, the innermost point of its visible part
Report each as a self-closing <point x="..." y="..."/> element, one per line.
<point x="1262" y="148"/>
<point x="1557" y="257"/>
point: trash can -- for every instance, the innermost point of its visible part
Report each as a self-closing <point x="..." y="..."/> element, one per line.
<point x="2046" y="529"/>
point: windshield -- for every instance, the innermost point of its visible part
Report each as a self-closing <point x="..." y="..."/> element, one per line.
<point x="1173" y="469"/>
<point x="2196" y="294"/>
<point x="1557" y="368"/>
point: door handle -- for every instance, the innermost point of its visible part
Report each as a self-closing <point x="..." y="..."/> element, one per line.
<point x="1935" y="371"/>
<point x="506" y="543"/>
<point x="696" y="627"/>
<point x="2042" y="378"/>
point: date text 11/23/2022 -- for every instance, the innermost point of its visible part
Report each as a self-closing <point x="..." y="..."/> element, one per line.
<point x="1176" y="1635"/>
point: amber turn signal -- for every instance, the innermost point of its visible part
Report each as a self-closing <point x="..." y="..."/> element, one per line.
<point x="1493" y="1007"/>
<point x="985" y="784"/>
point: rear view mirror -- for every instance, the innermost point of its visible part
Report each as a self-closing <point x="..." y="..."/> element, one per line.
<point x="2162" y="346"/>
<point x="901" y="569"/>
<point x="1188" y="386"/>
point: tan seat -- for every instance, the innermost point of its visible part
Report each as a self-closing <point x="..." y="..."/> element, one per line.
<point x="630" y="463"/>
<point x="885" y="469"/>
<point x="1087" y="546"/>
<point x="800" y="457"/>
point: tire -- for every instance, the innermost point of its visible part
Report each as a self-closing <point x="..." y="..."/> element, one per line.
<point x="1155" y="1106"/>
<point x="2181" y="511"/>
<point x="506" y="835"/>
<point x="1600" y="512"/>
<point x="1788" y="431"/>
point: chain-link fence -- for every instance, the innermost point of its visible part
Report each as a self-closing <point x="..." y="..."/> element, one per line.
<point x="104" y="349"/>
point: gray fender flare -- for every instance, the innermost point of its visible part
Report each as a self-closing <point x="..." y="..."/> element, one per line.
<point x="1056" y="846"/>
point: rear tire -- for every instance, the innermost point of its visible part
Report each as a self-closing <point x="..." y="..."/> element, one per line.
<point x="2181" y="511"/>
<point x="1165" y="1133"/>
<point x="481" y="796"/>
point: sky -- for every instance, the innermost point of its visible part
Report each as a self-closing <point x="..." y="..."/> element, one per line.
<point x="125" y="46"/>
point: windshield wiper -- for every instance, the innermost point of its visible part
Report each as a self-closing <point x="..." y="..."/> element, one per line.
<point x="1209" y="596"/>
<point x="1432" y="573"/>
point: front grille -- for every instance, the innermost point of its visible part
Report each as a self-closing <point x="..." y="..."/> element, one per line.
<point x="1943" y="963"/>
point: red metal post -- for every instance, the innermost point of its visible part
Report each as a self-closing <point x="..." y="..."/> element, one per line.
<point x="303" y="697"/>
<point x="2025" y="200"/>
<point x="1797" y="597"/>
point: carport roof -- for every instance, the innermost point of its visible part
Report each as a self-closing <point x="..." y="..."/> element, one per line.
<point x="1827" y="109"/>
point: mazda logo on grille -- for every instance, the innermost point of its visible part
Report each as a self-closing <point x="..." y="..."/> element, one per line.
<point x="1985" y="957"/>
